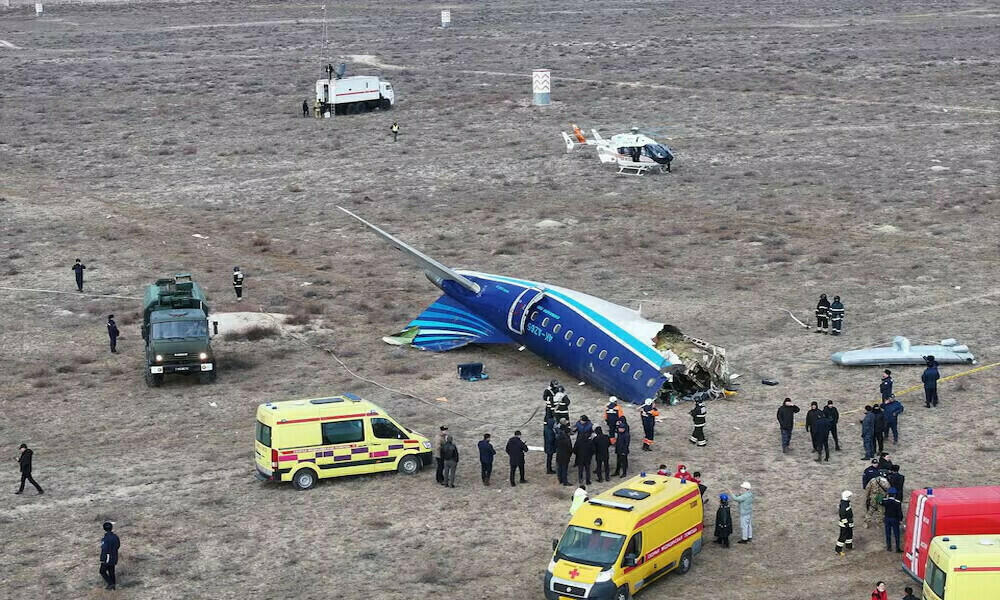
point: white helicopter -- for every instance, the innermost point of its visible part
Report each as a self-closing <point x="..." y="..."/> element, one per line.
<point x="633" y="152"/>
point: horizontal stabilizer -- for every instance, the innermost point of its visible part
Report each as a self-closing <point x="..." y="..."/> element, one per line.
<point x="432" y="267"/>
<point x="446" y="325"/>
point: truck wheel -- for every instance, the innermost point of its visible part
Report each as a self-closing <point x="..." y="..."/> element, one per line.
<point x="304" y="479"/>
<point x="622" y="593"/>
<point x="384" y="104"/>
<point x="409" y="465"/>
<point x="153" y="379"/>
<point x="362" y="108"/>
<point x="352" y="109"/>
<point x="685" y="565"/>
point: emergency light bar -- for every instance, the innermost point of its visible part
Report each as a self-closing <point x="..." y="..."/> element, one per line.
<point x="609" y="504"/>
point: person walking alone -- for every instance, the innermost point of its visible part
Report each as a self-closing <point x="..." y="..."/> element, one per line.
<point x="24" y="456"/>
<point x="786" y="421"/>
<point x="930" y="378"/>
<point x="110" y="545"/>
<point x="516" y="448"/>
<point x="305" y="108"/>
<point x="439" y="441"/>
<point x="745" y="500"/>
<point x="449" y="454"/>
<point x="395" y="131"/>
<point x="602" y="445"/>
<point x="622" y="441"/>
<point x="699" y="415"/>
<point x="113" y="334"/>
<point x="723" y="522"/>
<point x="486" y="454"/>
<point x="846" y="515"/>
<point x="238" y="283"/>
<point x="78" y="268"/>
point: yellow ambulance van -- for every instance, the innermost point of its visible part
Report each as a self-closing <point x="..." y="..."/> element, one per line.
<point x="622" y="540"/>
<point x="963" y="567"/>
<point x="305" y="440"/>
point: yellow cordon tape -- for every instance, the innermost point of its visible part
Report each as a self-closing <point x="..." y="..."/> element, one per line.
<point x="920" y="387"/>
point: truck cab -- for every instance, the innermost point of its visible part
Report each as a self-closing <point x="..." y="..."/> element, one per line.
<point x="175" y="331"/>
<point x="963" y="567"/>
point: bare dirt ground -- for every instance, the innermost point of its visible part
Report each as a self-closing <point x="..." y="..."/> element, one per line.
<point x="821" y="147"/>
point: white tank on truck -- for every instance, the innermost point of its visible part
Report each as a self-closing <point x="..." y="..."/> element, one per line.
<point x="341" y="95"/>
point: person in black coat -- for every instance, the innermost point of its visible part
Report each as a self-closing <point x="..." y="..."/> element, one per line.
<point x="881" y="427"/>
<point x="305" y="108"/>
<point x="113" y="334"/>
<point x="822" y="314"/>
<point x="896" y="480"/>
<point x="622" y="441"/>
<point x="821" y="436"/>
<point x="870" y="473"/>
<point x="930" y="378"/>
<point x="548" y="399"/>
<point x="516" y="448"/>
<point x="885" y="386"/>
<point x="584" y="452"/>
<point x="786" y="421"/>
<point x="564" y="452"/>
<point x="723" y="522"/>
<point x="24" y="457"/>
<point x="602" y="445"/>
<point x="109" y="556"/>
<point x="811" y="416"/>
<point x="549" y="438"/>
<point x="834" y="415"/>
<point x="486" y="454"/>
<point x="78" y="269"/>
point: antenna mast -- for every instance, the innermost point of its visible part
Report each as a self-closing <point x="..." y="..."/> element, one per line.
<point x="326" y="40"/>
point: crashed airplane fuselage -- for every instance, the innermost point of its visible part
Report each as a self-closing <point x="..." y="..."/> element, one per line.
<point x="608" y="346"/>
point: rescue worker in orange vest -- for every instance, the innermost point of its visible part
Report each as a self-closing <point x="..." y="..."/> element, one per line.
<point x="611" y="415"/>
<point x="648" y="413"/>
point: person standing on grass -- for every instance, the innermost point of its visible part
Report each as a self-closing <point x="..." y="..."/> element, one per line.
<point x="648" y="414"/>
<point x="786" y="421"/>
<point x="893" y="515"/>
<point x="486" y="454"/>
<point x="834" y="415"/>
<point x="584" y="452"/>
<point x="875" y="492"/>
<point x="811" y="416"/>
<point x="879" y="592"/>
<point x="516" y="448"/>
<point x="564" y="452"/>
<point x="305" y="108"/>
<point x="846" y="515"/>
<point x="549" y="440"/>
<point x="579" y="498"/>
<point x="836" y="316"/>
<point x="822" y="314"/>
<point x="109" y="555"/>
<point x="439" y="441"/>
<point x="113" y="334"/>
<point x="868" y="433"/>
<point x="896" y="481"/>
<point x="548" y="398"/>
<point x="821" y="436"/>
<point x="612" y="413"/>
<point x="723" y="522"/>
<point x="78" y="268"/>
<point x="892" y="408"/>
<point x="449" y="454"/>
<point x="602" y="446"/>
<point x="745" y="500"/>
<point x="238" y="283"/>
<point x="622" y="441"/>
<point x="24" y="457"/>
<point x="699" y="415"/>
<point x="930" y="378"/>
<point x="885" y="386"/>
<point x="881" y="427"/>
<point x="909" y="594"/>
<point x="395" y="131"/>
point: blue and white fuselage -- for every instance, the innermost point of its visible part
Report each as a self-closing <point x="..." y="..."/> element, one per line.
<point x="606" y="345"/>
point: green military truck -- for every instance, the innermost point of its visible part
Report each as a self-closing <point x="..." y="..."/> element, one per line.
<point x="175" y="328"/>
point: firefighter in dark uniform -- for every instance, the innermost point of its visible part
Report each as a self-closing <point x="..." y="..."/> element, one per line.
<point x="822" y="314"/>
<point x="238" y="282"/>
<point x="548" y="398"/>
<point x="113" y="334"/>
<point x="611" y="415"/>
<point x="846" y="514"/>
<point x="305" y="108"/>
<point x="648" y="414"/>
<point x="561" y="410"/>
<point x="836" y="316"/>
<point x="78" y="268"/>
<point x="698" y="413"/>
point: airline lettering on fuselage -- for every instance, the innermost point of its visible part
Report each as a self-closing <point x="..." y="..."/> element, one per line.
<point x="502" y="288"/>
<point x="536" y="330"/>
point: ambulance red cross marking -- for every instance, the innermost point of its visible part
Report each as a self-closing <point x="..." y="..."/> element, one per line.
<point x="574" y="574"/>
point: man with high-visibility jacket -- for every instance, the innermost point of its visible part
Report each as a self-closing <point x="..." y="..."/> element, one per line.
<point x="836" y="316"/>
<point x="611" y="415"/>
<point x="846" y="514"/>
<point x="699" y="415"/>
<point x="822" y="314"/>
<point x="648" y="414"/>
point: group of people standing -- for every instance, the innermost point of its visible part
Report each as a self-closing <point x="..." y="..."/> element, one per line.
<point x="883" y="487"/>
<point x="829" y="315"/>
<point x="446" y="457"/>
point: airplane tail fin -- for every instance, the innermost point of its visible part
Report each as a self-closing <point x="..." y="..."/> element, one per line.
<point x="597" y="137"/>
<point x="569" y="142"/>
<point x="446" y="325"/>
<point x="433" y="268"/>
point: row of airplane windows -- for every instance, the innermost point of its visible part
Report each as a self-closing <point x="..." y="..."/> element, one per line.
<point x="580" y="341"/>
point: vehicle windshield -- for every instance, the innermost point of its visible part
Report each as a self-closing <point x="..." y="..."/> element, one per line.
<point x="179" y="330"/>
<point x="590" y="547"/>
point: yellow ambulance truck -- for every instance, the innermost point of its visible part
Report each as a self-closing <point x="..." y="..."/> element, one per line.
<point x="963" y="567"/>
<point x="622" y="540"/>
<point x="305" y="440"/>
